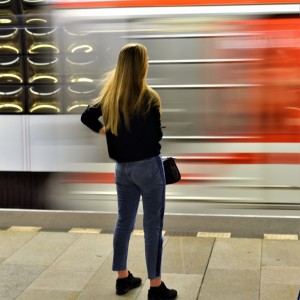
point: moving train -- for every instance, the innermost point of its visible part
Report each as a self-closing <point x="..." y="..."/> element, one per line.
<point x="228" y="75"/>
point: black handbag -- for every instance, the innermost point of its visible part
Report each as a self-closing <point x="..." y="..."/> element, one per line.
<point x="172" y="172"/>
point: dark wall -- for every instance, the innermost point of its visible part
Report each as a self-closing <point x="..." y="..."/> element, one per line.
<point x="24" y="190"/>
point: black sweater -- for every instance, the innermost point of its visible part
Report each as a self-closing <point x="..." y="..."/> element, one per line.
<point x="141" y="142"/>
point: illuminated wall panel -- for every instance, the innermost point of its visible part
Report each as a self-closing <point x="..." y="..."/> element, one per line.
<point x="29" y="59"/>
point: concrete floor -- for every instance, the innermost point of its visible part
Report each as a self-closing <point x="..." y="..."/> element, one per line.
<point x="36" y="263"/>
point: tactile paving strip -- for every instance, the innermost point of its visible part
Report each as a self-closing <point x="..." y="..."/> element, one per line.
<point x="141" y="233"/>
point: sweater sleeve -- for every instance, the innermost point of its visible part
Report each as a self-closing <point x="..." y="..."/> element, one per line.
<point x="90" y="118"/>
<point x="154" y="126"/>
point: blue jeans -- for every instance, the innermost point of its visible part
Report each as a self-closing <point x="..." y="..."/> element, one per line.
<point x="144" y="178"/>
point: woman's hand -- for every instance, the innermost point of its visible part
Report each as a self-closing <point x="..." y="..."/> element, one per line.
<point x="102" y="131"/>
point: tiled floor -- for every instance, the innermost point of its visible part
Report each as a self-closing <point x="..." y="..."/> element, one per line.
<point x="37" y="265"/>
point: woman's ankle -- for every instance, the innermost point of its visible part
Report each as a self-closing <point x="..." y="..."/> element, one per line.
<point x="155" y="282"/>
<point x="123" y="274"/>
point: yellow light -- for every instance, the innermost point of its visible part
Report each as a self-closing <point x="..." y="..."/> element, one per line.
<point x="10" y="35"/>
<point x="12" y="92"/>
<point x="7" y="105"/>
<point x="87" y="48"/>
<point x="69" y="109"/>
<point x="82" y="79"/>
<point x="5" y="21"/>
<point x="10" y="48"/>
<point x="33" y="1"/>
<point x="40" y="34"/>
<point x="48" y="106"/>
<point x="45" y="93"/>
<point x="7" y="75"/>
<point x="5" y="2"/>
<point x="53" y="61"/>
<point x="36" y="20"/>
<point x="42" y="46"/>
<point x="41" y="77"/>
<point x="17" y="59"/>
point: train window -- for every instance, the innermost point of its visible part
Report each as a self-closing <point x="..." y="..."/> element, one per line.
<point x="44" y="99"/>
<point x="11" y="99"/>
<point x="27" y="57"/>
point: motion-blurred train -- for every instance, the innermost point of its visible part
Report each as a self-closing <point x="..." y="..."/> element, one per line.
<point x="228" y="75"/>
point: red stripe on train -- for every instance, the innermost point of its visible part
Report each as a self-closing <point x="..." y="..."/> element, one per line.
<point x="241" y="158"/>
<point x="89" y="178"/>
<point x="265" y="138"/>
<point x="144" y="3"/>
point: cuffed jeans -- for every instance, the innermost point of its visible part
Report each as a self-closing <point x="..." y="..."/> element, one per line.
<point x="144" y="178"/>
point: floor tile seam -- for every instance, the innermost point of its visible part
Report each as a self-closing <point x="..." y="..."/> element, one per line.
<point x="41" y="266"/>
<point x="23" y="245"/>
<point x="81" y="249"/>
<point x="163" y="274"/>
<point x="112" y="285"/>
<point x="48" y="266"/>
<point x="281" y="266"/>
<point x="234" y="269"/>
<point x="49" y="290"/>
<point x="64" y="250"/>
<point x="95" y="273"/>
<point x="206" y="268"/>
<point x="30" y="283"/>
<point x="107" y="256"/>
<point x="140" y="290"/>
<point x="52" y="268"/>
<point x="182" y="256"/>
<point x="282" y="284"/>
<point x="53" y="289"/>
<point x="261" y="265"/>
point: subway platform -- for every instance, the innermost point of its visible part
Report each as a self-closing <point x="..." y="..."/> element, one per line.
<point x="42" y="263"/>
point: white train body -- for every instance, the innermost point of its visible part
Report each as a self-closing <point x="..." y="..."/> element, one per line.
<point x="229" y="82"/>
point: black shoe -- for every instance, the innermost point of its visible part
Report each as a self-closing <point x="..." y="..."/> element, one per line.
<point x="123" y="285"/>
<point x="161" y="293"/>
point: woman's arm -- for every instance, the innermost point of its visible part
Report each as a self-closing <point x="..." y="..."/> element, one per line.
<point x="154" y="125"/>
<point x="90" y="118"/>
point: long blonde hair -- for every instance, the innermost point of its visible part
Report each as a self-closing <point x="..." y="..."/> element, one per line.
<point x="126" y="91"/>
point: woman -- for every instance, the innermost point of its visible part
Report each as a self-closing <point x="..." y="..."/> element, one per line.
<point x="131" y="117"/>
